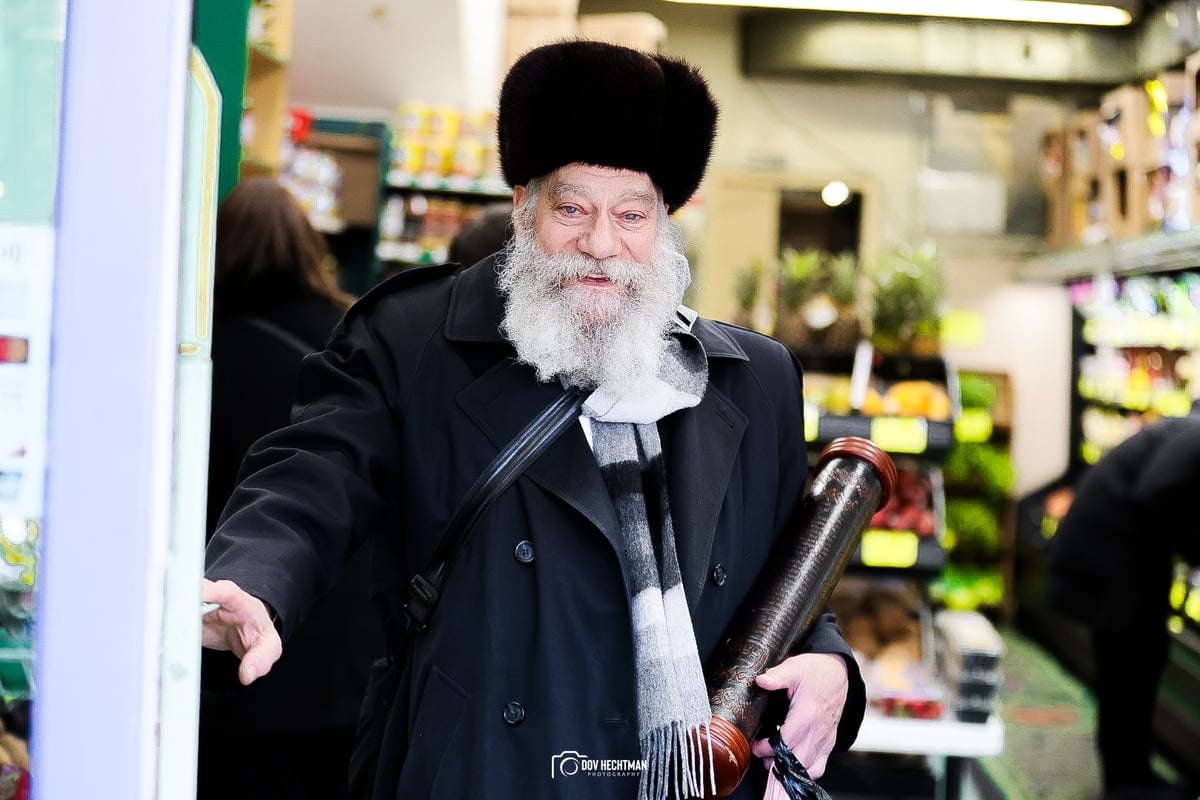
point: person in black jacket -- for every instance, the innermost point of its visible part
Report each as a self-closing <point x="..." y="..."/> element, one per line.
<point x="571" y="628"/>
<point x="1110" y="565"/>
<point x="288" y="736"/>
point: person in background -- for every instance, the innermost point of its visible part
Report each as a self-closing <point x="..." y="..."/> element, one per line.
<point x="1110" y="567"/>
<point x="287" y="737"/>
<point x="574" y="623"/>
<point x="482" y="236"/>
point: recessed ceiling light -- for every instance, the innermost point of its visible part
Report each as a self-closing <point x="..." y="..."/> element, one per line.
<point x="835" y="193"/>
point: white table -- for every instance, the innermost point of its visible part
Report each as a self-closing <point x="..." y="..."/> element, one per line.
<point x="954" y="740"/>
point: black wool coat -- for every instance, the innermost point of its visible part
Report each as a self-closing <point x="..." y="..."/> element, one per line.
<point x="319" y="685"/>
<point x="530" y="653"/>
<point x="1132" y="511"/>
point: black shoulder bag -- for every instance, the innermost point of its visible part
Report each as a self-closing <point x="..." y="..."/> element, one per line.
<point x="425" y="588"/>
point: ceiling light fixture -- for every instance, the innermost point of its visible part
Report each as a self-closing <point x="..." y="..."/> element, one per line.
<point x="835" y="193"/>
<point x="1062" y="13"/>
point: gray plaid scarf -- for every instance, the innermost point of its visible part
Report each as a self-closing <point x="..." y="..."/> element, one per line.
<point x="672" y="698"/>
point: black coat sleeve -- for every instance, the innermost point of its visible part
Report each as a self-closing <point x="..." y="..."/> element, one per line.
<point x="826" y="637"/>
<point x="311" y="491"/>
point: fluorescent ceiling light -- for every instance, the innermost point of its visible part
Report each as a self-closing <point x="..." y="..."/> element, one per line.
<point x="1012" y="10"/>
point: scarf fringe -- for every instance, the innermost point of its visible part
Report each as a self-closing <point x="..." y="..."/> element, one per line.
<point x="677" y="764"/>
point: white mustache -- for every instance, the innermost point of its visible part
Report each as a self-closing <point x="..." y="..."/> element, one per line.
<point x="564" y="268"/>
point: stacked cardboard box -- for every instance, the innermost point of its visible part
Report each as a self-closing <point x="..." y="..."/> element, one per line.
<point x="1191" y="146"/>
<point x="1071" y="183"/>
<point x="1135" y="168"/>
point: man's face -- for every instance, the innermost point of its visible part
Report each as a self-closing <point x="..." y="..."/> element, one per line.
<point x="597" y="212"/>
<point x="592" y="277"/>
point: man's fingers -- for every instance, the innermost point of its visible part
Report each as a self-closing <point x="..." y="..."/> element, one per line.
<point x="241" y="625"/>
<point x="772" y="679"/>
<point x="762" y="748"/>
<point x="258" y="659"/>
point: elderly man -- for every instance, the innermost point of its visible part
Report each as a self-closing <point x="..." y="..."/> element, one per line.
<point x="567" y="647"/>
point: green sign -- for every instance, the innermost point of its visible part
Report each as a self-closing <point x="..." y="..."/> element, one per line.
<point x="31" y="47"/>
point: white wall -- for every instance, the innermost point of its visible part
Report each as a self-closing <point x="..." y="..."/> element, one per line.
<point x="1027" y="334"/>
<point x="362" y="58"/>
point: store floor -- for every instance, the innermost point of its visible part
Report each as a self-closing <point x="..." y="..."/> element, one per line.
<point x="1049" y="719"/>
<point x="1049" y="723"/>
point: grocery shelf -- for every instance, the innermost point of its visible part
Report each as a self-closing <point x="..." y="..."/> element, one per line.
<point x="1157" y="252"/>
<point x="448" y="185"/>
<point x="262" y="56"/>
<point x="931" y="439"/>
<point x="1170" y="403"/>
<point x="409" y="253"/>
<point x="897" y="434"/>
<point x="327" y="223"/>
<point x="905" y="551"/>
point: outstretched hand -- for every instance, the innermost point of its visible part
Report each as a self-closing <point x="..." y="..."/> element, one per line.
<point x="817" y="685"/>
<point x="242" y="625"/>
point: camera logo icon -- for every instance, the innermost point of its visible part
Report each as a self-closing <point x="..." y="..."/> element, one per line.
<point x="565" y="763"/>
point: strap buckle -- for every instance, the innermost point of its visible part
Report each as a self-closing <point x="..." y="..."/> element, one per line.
<point x="422" y="597"/>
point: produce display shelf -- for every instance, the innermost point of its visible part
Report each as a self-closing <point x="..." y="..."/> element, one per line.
<point x="929" y="439"/>
<point x="886" y="550"/>
<point x="898" y="434"/>
<point x="1157" y="252"/>
<point x="448" y="185"/>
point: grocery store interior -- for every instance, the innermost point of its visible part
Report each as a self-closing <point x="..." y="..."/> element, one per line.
<point x="979" y="234"/>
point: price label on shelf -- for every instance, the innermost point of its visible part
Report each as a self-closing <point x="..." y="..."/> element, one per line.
<point x="900" y="434"/>
<point x="885" y="548"/>
<point x="1171" y="404"/>
<point x="973" y="425"/>
<point x="812" y="423"/>
<point x="1136" y="399"/>
<point x="1191" y="606"/>
<point x="1179" y="593"/>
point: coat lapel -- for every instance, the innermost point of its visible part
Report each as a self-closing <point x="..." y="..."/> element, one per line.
<point x="701" y="445"/>
<point x="506" y="397"/>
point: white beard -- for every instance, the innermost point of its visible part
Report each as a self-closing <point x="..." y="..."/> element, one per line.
<point x="592" y="338"/>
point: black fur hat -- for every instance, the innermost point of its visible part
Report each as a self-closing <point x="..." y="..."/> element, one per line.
<point x="607" y="105"/>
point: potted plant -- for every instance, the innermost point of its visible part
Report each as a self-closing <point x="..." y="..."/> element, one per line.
<point x="799" y="275"/>
<point x="842" y="279"/>
<point x="907" y="302"/>
<point x="747" y="287"/>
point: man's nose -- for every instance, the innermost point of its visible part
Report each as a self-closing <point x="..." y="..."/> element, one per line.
<point x="600" y="240"/>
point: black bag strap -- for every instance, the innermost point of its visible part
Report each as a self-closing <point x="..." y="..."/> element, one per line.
<point x="282" y="334"/>
<point x="424" y="589"/>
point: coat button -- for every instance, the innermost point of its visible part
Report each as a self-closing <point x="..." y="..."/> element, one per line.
<point x="514" y="713"/>
<point x="524" y="551"/>
<point x="718" y="575"/>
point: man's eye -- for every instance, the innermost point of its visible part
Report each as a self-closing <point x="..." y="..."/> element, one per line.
<point x="570" y="211"/>
<point x="632" y="216"/>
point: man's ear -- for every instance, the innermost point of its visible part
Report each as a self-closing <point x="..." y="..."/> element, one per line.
<point x="519" y="195"/>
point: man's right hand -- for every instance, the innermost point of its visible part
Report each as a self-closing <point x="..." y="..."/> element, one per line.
<point x="243" y="625"/>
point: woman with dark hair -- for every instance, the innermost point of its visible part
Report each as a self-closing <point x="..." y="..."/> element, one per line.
<point x="276" y="300"/>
